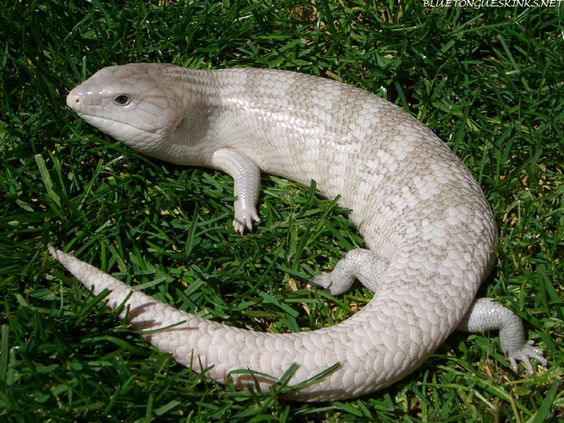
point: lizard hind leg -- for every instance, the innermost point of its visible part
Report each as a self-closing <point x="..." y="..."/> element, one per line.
<point x="486" y="314"/>
<point x="358" y="264"/>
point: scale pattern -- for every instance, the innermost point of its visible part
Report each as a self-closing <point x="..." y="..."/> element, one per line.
<point x="429" y="231"/>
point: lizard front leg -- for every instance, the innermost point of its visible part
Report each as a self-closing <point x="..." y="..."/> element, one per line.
<point x="246" y="178"/>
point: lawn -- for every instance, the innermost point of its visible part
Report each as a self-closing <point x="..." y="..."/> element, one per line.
<point x="488" y="81"/>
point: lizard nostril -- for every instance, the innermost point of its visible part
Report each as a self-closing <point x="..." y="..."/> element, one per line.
<point x="74" y="100"/>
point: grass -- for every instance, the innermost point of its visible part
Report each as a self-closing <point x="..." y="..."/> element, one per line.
<point x="488" y="81"/>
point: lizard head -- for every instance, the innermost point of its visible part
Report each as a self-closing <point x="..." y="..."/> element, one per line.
<point x="133" y="103"/>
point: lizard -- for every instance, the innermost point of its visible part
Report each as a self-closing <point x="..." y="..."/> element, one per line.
<point x="429" y="231"/>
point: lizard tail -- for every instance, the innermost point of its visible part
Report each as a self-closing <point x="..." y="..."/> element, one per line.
<point x="346" y="360"/>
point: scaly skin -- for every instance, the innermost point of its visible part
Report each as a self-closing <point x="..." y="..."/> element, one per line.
<point x="429" y="231"/>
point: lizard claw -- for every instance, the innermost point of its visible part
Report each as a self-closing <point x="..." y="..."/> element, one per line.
<point x="244" y="219"/>
<point x="524" y="354"/>
<point x="324" y="281"/>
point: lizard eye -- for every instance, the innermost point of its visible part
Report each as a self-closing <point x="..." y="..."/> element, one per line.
<point x="122" y="99"/>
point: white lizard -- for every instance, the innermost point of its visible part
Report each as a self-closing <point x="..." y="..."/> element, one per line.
<point x="429" y="231"/>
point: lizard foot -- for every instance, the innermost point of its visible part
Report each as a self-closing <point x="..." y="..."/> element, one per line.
<point x="524" y="354"/>
<point x="322" y="281"/>
<point x="244" y="218"/>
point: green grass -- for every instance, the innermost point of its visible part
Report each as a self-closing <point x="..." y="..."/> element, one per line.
<point x="488" y="81"/>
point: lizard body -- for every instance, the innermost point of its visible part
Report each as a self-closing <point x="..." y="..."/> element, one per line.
<point x="429" y="231"/>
